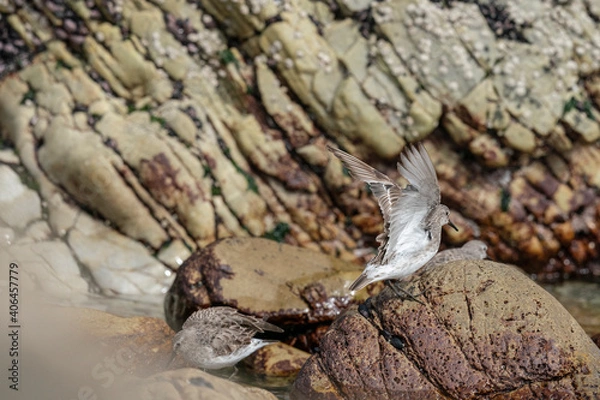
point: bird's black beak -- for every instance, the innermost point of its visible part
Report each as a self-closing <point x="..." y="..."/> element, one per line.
<point x="452" y="225"/>
<point x="173" y="355"/>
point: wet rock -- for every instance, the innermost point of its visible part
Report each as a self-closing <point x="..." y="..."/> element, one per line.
<point x="489" y="151"/>
<point x="279" y="359"/>
<point x="188" y="384"/>
<point x="174" y="254"/>
<point x="296" y="289"/>
<point x="484" y="330"/>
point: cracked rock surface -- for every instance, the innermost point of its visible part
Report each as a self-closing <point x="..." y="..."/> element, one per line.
<point x="484" y="330"/>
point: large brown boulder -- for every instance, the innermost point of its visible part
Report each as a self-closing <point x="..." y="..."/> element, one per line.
<point x="298" y="289"/>
<point x="484" y="329"/>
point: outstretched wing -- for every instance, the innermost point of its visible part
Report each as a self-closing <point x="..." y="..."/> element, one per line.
<point x="386" y="191"/>
<point x="403" y="210"/>
<point x="418" y="198"/>
<point x="415" y="165"/>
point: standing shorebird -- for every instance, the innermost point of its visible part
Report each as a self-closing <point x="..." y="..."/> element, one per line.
<point x="412" y="216"/>
<point x="472" y="250"/>
<point x="219" y="337"/>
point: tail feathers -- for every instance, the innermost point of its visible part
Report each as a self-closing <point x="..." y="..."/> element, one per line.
<point x="260" y="343"/>
<point x="245" y="351"/>
<point x="267" y="342"/>
<point x="360" y="282"/>
<point x="267" y="326"/>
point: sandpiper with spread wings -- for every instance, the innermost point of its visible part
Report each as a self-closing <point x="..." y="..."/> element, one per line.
<point x="219" y="337"/>
<point x="413" y="216"/>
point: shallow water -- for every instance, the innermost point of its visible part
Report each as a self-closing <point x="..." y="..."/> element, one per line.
<point x="582" y="300"/>
<point x="280" y="387"/>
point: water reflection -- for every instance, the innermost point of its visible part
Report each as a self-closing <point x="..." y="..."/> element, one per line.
<point x="582" y="300"/>
<point x="280" y="387"/>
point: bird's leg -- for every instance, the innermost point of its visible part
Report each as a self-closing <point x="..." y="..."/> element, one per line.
<point x="422" y="292"/>
<point x="234" y="373"/>
<point x="394" y="340"/>
<point x="365" y="308"/>
<point x="397" y="289"/>
<point x="173" y="355"/>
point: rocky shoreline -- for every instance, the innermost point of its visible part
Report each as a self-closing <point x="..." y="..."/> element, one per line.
<point x="138" y="134"/>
